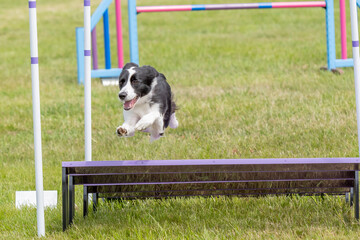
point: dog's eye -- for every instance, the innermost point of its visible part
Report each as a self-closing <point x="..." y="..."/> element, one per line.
<point x="121" y="82"/>
<point x="134" y="81"/>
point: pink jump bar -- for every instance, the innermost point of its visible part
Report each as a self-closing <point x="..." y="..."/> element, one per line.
<point x="120" y="49"/>
<point x="298" y="4"/>
<point x="204" y="7"/>
<point x="343" y="29"/>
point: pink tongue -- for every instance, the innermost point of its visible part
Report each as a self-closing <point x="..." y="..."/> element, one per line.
<point x="130" y="104"/>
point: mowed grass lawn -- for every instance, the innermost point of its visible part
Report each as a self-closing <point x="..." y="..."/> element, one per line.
<point x="248" y="85"/>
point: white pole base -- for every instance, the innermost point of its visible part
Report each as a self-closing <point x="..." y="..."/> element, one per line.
<point x="28" y="199"/>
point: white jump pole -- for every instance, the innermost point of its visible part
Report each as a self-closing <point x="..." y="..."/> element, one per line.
<point x="355" y="47"/>
<point x="87" y="87"/>
<point x="36" y="119"/>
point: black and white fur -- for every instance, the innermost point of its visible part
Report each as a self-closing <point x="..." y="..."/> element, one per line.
<point x="148" y="102"/>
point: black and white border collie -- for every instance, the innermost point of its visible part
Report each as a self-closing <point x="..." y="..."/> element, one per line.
<point x="148" y="102"/>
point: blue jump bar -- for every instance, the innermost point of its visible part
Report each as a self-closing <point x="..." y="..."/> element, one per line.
<point x="265" y="5"/>
<point x="198" y="7"/>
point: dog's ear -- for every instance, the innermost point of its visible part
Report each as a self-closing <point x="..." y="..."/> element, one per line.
<point x="127" y="66"/>
<point x="147" y="74"/>
<point x="130" y="65"/>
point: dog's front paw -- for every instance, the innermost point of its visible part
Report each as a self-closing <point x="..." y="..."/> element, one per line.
<point x="125" y="131"/>
<point x="121" y="132"/>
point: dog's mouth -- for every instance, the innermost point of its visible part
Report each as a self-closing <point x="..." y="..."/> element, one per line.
<point x="130" y="104"/>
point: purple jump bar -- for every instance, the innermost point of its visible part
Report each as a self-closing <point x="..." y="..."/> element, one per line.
<point x="171" y="8"/>
<point x="197" y="162"/>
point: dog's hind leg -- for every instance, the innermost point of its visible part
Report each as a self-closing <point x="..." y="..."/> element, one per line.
<point x="157" y="129"/>
<point x="173" y="121"/>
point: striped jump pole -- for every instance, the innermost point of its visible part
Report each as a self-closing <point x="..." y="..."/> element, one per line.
<point x="355" y="47"/>
<point x="94" y="49"/>
<point x="106" y="28"/>
<point x="343" y="29"/>
<point x="205" y="7"/>
<point x="36" y="119"/>
<point x="87" y="80"/>
<point x="120" y="50"/>
<point x="133" y="33"/>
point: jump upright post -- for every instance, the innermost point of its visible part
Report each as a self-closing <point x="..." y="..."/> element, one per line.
<point x="355" y="50"/>
<point x="328" y="5"/>
<point x="36" y="119"/>
<point x="87" y="88"/>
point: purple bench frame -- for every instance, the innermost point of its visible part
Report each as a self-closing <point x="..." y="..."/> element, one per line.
<point x="208" y="177"/>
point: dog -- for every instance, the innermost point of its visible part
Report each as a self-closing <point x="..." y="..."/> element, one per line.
<point x="148" y="102"/>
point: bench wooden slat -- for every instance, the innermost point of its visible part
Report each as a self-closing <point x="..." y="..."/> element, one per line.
<point x="214" y="182"/>
<point x="212" y="162"/>
<point x="205" y="168"/>
<point x="337" y="184"/>
<point x="230" y="172"/>
<point x="226" y="177"/>
<point x="239" y="194"/>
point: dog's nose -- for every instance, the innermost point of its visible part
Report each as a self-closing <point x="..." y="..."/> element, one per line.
<point x="122" y="95"/>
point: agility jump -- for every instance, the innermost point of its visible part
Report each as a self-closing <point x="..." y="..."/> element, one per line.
<point x="108" y="71"/>
<point x="134" y="10"/>
<point x="233" y="6"/>
<point x="328" y="5"/>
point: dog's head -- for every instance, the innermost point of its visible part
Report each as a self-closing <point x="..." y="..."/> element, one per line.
<point x="135" y="83"/>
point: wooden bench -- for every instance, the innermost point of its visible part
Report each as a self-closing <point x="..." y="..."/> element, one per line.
<point x="208" y="177"/>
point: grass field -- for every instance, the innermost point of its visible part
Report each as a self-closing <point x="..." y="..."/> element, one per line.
<point x="248" y="85"/>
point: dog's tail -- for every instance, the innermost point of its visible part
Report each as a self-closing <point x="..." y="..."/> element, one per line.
<point x="174" y="107"/>
<point x="173" y="123"/>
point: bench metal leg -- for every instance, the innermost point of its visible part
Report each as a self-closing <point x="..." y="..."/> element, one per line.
<point x="349" y="197"/>
<point x="65" y="200"/>
<point x="95" y="201"/>
<point x="71" y="199"/>
<point x="356" y="195"/>
<point x="86" y="202"/>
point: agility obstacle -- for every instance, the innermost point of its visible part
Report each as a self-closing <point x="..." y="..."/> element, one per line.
<point x="206" y="177"/>
<point x="134" y="10"/>
<point x="102" y="12"/>
<point x="328" y="5"/>
<point x="211" y="177"/>
<point x="233" y="6"/>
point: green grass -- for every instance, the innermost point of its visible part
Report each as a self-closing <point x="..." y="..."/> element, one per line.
<point x="248" y="85"/>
